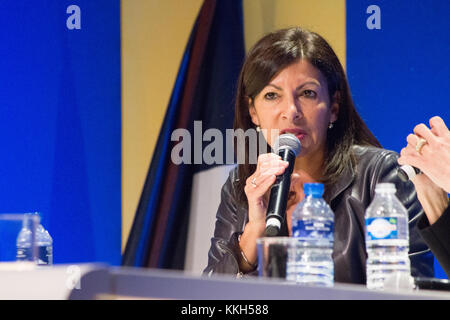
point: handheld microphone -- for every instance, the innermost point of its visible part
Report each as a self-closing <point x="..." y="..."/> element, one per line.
<point x="407" y="172"/>
<point x="287" y="147"/>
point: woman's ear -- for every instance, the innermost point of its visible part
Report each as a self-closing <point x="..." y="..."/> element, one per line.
<point x="252" y="112"/>
<point x="335" y="106"/>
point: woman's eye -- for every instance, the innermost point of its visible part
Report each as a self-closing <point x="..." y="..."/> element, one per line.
<point x="309" y="93"/>
<point x="270" y="96"/>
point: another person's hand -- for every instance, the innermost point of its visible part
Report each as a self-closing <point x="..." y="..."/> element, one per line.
<point x="433" y="158"/>
<point x="434" y="199"/>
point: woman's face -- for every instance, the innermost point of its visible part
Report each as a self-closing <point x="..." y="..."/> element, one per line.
<point x="296" y="101"/>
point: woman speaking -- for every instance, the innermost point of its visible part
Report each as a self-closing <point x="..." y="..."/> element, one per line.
<point x="293" y="82"/>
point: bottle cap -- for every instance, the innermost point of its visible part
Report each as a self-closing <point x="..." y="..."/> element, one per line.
<point x="313" y="189"/>
<point x="385" y="187"/>
<point x="30" y="219"/>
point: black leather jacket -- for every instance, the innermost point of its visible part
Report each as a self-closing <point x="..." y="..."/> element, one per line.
<point x="348" y="198"/>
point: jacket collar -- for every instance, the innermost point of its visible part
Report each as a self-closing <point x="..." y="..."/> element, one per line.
<point x="337" y="188"/>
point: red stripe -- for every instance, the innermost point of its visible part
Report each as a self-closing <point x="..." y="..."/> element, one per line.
<point x="198" y="49"/>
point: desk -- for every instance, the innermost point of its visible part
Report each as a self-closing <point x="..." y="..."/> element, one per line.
<point x="104" y="282"/>
<point x="177" y="285"/>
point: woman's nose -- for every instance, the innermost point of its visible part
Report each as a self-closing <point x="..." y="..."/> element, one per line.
<point x="292" y="109"/>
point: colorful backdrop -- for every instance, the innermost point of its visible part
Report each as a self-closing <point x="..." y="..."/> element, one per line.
<point x="83" y="95"/>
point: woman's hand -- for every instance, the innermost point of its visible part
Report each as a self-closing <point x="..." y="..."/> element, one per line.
<point x="257" y="191"/>
<point x="434" y="157"/>
<point x="258" y="184"/>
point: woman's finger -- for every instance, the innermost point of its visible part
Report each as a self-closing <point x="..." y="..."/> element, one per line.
<point x="262" y="177"/>
<point x="266" y="160"/>
<point x="256" y="188"/>
<point x="278" y="163"/>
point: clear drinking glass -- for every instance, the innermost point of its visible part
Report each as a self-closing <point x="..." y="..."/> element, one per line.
<point x="277" y="256"/>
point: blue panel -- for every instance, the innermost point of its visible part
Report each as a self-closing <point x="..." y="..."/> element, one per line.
<point x="399" y="74"/>
<point x="60" y="123"/>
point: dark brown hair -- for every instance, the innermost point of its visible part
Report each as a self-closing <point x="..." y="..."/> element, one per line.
<point x="269" y="56"/>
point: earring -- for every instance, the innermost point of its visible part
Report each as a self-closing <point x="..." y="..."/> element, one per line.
<point x="330" y="126"/>
<point x="258" y="129"/>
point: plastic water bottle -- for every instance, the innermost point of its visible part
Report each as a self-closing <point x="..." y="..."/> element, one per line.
<point x="313" y="226"/>
<point x="387" y="237"/>
<point x="44" y="243"/>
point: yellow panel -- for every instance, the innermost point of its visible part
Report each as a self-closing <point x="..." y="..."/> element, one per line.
<point x="154" y="36"/>
<point x="326" y="17"/>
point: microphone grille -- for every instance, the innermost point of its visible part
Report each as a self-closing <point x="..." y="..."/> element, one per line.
<point x="288" y="140"/>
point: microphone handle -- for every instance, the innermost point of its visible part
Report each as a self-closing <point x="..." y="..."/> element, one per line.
<point x="279" y="192"/>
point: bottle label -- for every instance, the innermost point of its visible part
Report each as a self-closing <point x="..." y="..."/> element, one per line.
<point x="45" y="255"/>
<point x="24" y="254"/>
<point x="313" y="229"/>
<point x="382" y="228"/>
